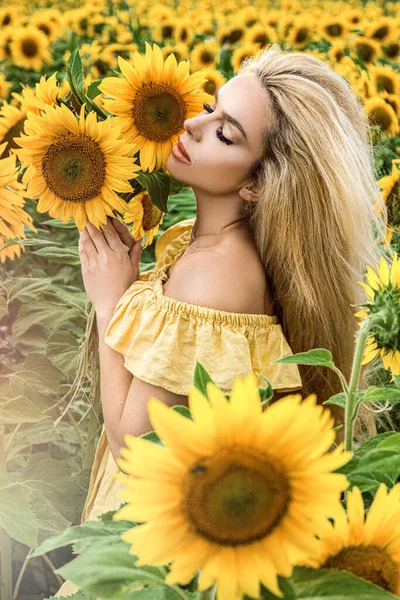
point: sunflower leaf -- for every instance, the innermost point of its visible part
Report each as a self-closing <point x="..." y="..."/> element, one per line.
<point x="158" y="186"/>
<point x="335" y="585"/>
<point x="200" y="378"/>
<point x="317" y="356"/>
<point x="75" y="76"/>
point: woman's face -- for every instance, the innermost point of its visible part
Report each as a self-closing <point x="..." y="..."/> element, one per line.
<point x="219" y="167"/>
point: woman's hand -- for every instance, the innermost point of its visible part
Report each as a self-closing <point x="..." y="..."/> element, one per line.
<point x="108" y="269"/>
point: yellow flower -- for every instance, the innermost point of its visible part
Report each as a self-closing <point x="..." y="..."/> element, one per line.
<point x="241" y="504"/>
<point x="75" y="168"/>
<point x="145" y="215"/>
<point x="12" y="121"/>
<point x="241" y="53"/>
<point x="383" y="289"/>
<point x="151" y="101"/>
<point x="382" y="114"/>
<point x="30" y="48"/>
<point x="390" y="191"/>
<point x="4" y="87"/>
<point x="365" y="48"/>
<point x="45" y="92"/>
<point x="384" y="78"/>
<point x="12" y="215"/>
<point x="367" y="547"/>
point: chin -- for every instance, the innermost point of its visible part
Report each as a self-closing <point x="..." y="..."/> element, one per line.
<point x="171" y="170"/>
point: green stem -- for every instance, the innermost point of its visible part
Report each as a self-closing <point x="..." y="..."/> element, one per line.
<point x="342" y="379"/>
<point x="351" y="408"/>
<point x="5" y="540"/>
<point x="21" y="574"/>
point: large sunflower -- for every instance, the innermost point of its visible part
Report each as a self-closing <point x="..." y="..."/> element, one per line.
<point x="152" y="100"/>
<point x="76" y="167"/>
<point x="383" y="289"/>
<point x="30" y="48"/>
<point x="367" y="547"/>
<point x="12" y="216"/>
<point x="239" y="503"/>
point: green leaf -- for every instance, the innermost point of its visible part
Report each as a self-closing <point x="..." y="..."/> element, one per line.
<point x="59" y="224"/>
<point x="158" y="186"/>
<point x="201" y="378"/>
<point x="68" y="256"/>
<point x="75" y="76"/>
<point x="93" y="89"/>
<point x="110" y="572"/>
<point x="16" y="516"/>
<point x="335" y="585"/>
<point x="317" y="356"/>
<point x="374" y="394"/>
<point x="373" y="443"/>
<point x="87" y="536"/>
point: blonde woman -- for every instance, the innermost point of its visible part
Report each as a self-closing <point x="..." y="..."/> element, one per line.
<point x="282" y="170"/>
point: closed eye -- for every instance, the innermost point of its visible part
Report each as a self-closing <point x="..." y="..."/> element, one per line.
<point x="218" y="133"/>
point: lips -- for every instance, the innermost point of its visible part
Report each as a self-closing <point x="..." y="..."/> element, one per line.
<point x="183" y="149"/>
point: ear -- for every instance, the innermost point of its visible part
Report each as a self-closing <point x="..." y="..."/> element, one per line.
<point x="247" y="193"/>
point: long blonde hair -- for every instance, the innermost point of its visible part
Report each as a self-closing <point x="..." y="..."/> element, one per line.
<point x="313" y="224"/>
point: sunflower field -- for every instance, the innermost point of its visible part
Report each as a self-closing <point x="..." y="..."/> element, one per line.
<point x="93" y="96"/>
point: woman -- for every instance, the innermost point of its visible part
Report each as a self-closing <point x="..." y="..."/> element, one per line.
<point x="281" y="164"/>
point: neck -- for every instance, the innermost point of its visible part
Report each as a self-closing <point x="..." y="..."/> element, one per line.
<point x="215" y="214"/>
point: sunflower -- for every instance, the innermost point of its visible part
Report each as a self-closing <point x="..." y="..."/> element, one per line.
<point x="391" y="48"/>
<point x="260" y="35"/>
<point x="4" y="87"/>
<point x="393" y="100"/>
<point x="184" y="33"/>
<point x="239" y="503"/>
<point x="381" y="29"/>
<point x="390" y="186"/>
<point x="75" y="168"/>
<point x="6" y="37"/>
<point x="336" y="52"/>
<point x="241" y="53"/>
<point x="333" y="28"/>
<point x="145" y="216"/>
<point x="301" y="32"/>
<point x="180" y="51"/>
<point x="12" y="121"/>
<point x="368" y="547"/>
<point x="9" y="15"/>
<point x="382" y="114"/>
<point x="30" y="48"/>
<point x="51" y="28"/>
<point x="164" y="31"/>
<point x="383" y="289"/>
<point x="152" y="100"/>
<point x="365" y="48"/>
<point x="385" y="79"/>
<point x="12" y="216"/>
<point x="46" y="92"/>
<point x="204" y="55"/>
<point x="214" y="79"/>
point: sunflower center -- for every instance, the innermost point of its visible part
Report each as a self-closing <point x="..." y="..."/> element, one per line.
<point x="237" y="496"/>
<point x="29" y="47"/>
<point x="159" y="111"/>
<point x="369" y="562"/>
<point x="382" y="117"/>
<point x="151" y="214"/>
<point x="74" y="168"/>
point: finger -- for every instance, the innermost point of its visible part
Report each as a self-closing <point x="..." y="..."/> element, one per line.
<point x="97" y="237"/>
<point x="124" y="233"/>
<point x="86" y="244"/>
<point x="112" y="237"/>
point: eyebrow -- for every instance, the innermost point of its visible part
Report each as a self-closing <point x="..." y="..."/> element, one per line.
<point x="231" y="119"/>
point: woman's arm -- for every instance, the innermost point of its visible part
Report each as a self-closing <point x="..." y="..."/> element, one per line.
<point x="124" y="397"/>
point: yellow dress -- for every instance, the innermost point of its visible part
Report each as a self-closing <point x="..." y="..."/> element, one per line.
<point x="161" y="337"/>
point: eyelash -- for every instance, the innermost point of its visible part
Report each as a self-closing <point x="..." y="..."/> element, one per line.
<point x="219" y="134"/>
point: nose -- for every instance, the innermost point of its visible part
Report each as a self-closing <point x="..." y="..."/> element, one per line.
<point x="191" y="126"/>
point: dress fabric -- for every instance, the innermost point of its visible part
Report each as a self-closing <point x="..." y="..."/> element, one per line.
<point x="161" y="338"/>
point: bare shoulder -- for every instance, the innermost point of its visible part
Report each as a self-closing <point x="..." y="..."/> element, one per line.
<point x="219" y="279"/>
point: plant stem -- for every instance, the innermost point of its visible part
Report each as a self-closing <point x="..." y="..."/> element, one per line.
<point x="21" y="574"/>
<point x="5" y="540"/>
<point x="351" y="408"/>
